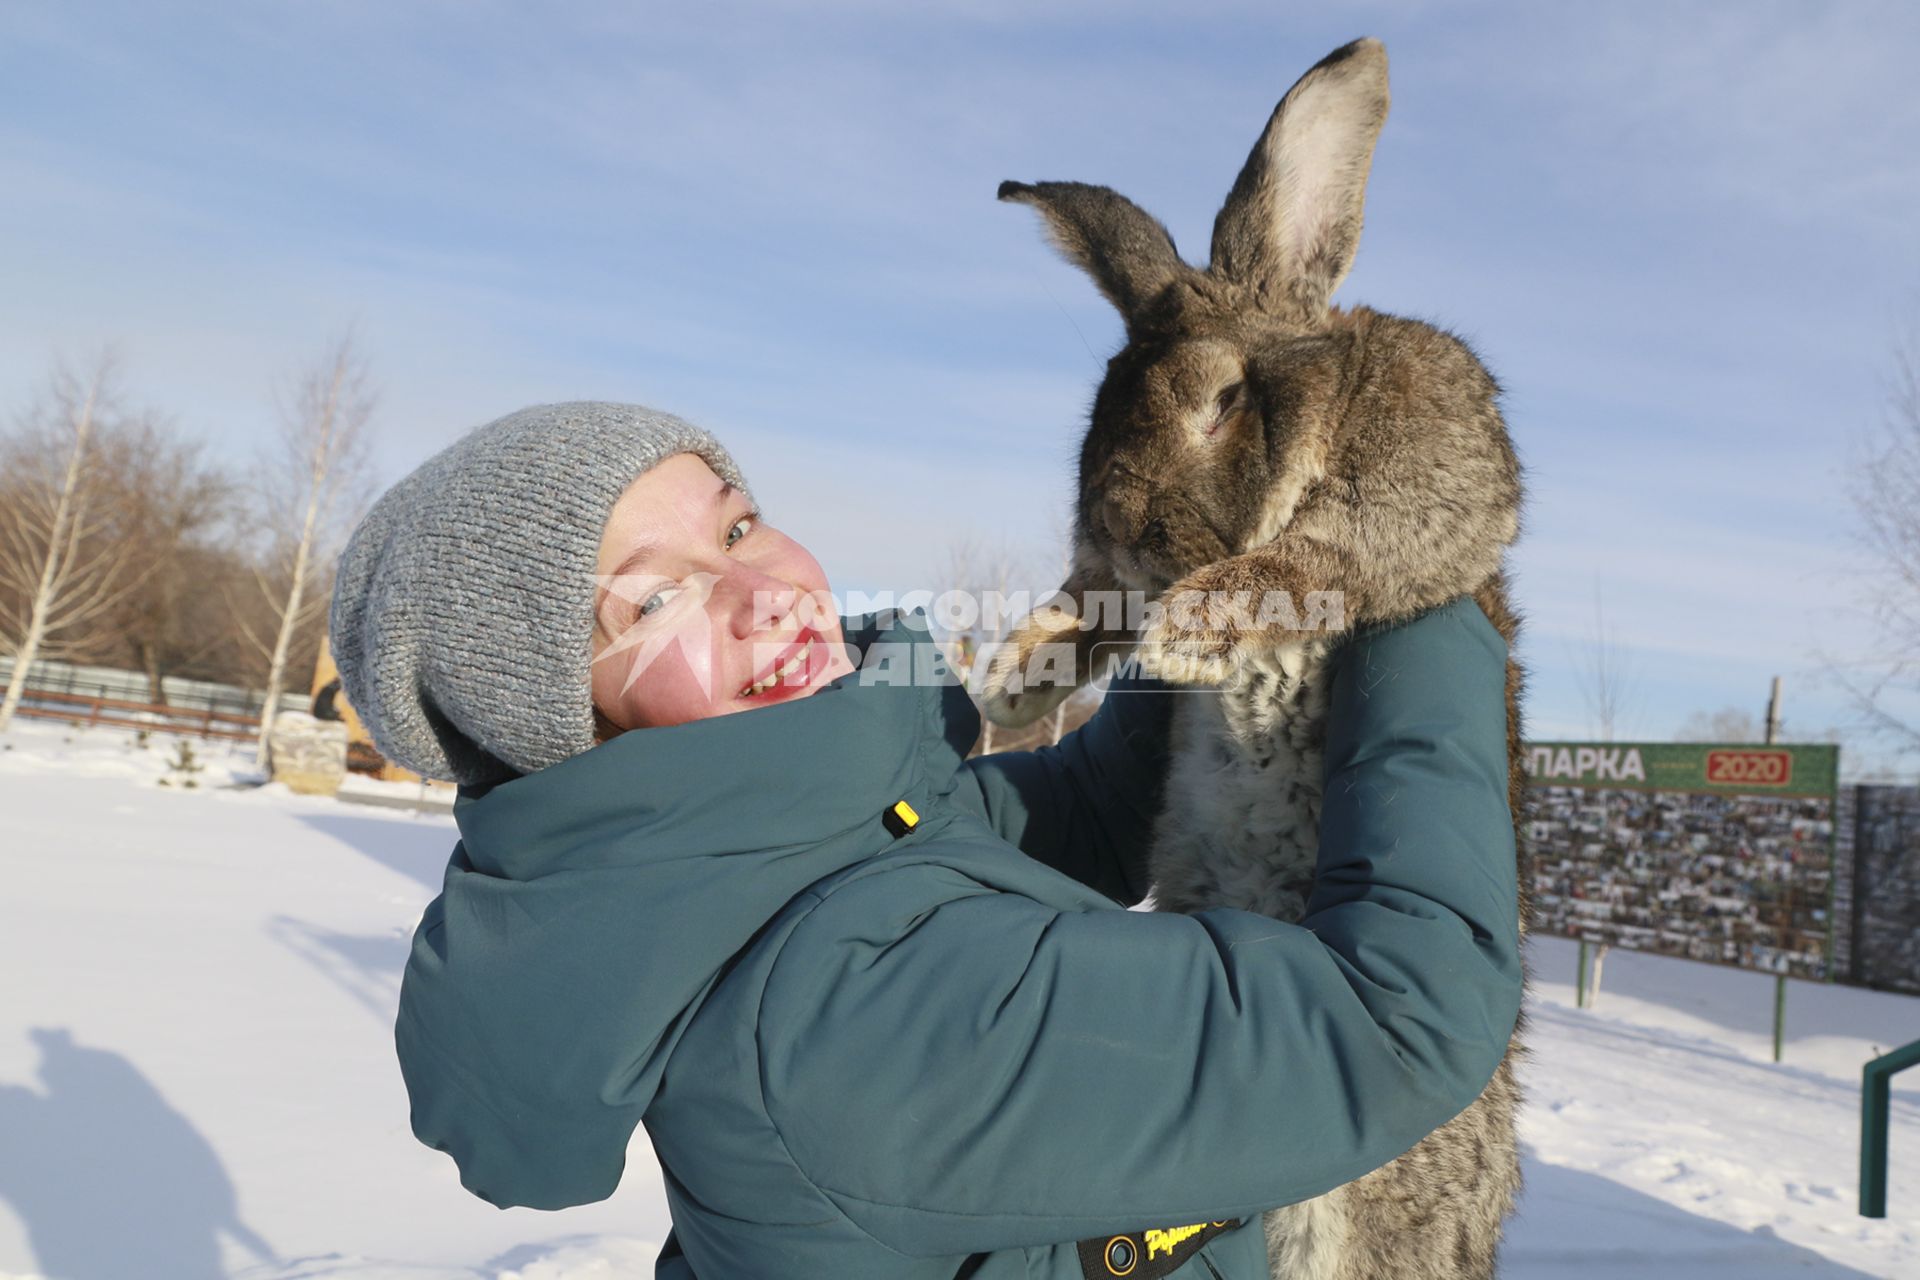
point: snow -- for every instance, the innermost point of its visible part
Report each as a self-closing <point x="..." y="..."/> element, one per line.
<point x="197" y="1075"/>
<point x="1664" y="1142"/>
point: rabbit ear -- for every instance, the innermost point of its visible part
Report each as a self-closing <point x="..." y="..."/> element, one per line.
<point x="1291" y="225"/>
<point x="1128" y="254"/>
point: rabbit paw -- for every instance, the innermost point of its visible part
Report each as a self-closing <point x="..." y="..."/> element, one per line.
<point x="1020" y="685"/>
<point x="1188" y="643"/>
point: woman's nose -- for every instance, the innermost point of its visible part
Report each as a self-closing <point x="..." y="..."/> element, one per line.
<point x="762" y="601"/>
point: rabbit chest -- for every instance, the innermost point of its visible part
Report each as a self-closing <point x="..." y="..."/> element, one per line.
<point x="1240" y="825"/>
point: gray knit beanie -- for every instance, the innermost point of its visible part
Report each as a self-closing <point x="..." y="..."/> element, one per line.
<point x="462" y="616"/>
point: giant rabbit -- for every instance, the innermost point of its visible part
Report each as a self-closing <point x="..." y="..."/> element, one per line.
<point x="1251" y="438"/>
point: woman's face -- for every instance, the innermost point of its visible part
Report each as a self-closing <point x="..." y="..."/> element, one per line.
<point x="703" y="608"/>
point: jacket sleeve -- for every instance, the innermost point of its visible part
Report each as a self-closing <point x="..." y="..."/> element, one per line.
<point x="1085" y="806"/>
<point x="992" y="1073"/>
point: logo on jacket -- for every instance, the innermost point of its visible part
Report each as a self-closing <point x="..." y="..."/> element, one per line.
<point x="1148" y="1254"/>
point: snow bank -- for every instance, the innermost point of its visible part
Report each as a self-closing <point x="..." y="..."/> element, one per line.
<point x="197" y="1075"/>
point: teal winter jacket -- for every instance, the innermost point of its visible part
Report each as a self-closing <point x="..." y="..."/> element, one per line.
<point x="870" y="1041"/>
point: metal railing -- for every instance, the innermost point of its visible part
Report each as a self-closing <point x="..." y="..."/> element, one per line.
<point x="1875" y="1102"/>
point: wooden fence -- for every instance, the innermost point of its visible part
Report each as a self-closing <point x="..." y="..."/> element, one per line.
<point x="85" y="709"/>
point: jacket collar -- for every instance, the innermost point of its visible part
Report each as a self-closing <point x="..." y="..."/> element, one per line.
<point x="788" y="774"/>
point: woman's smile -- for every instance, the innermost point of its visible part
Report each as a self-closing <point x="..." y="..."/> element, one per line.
<point x="712" y="610"/>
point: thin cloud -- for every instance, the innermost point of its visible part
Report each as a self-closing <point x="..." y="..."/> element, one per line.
<point x="1672" y="232"/>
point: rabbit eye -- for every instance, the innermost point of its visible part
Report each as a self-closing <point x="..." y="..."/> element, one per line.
<point x="1224" y="406"/>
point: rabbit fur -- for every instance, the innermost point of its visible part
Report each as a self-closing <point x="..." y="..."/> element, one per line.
<point x="1251" y="437"/>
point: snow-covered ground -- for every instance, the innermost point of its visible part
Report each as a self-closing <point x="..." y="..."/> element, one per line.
<point x="197" y="1075"/>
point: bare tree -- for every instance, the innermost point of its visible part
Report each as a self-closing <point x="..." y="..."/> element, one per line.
<point x="223" y="629"/>
<point x="308" y="491"/>
<point x="1610" y="686"/>
<point x="1728" y="724"/>
<point x="58" y="561"/>
<point x="987" y="575"/>
<point x="170" y="498"/>
<point x="994" y="576"/>
<point x="1886" y="499"/>
<point x="1057" y="722"/>
<point x="1738" y="724"/>
<point x="1607" y="678"/>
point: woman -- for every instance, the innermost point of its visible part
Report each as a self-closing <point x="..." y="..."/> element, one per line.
<point x="725" y="870"/>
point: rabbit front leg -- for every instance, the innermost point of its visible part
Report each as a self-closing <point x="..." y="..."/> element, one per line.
<point x="1278" y="594"/>
<point x="1056" y="649"/>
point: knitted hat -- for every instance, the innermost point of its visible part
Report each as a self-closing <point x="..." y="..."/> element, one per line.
<point x="462" y="617"/>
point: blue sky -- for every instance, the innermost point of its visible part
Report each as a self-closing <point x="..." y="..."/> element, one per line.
<point x="1680" y="234"/>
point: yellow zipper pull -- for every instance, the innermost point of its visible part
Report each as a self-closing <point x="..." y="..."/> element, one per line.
<point x="900" y="819"/>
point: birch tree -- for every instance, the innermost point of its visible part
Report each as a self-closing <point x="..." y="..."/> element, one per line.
<point x="1885" y="487"/>
<point x="308" y="488"/>
<point x="54" y="560"/>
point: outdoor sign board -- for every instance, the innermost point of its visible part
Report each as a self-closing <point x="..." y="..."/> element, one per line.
<point x="1711" y="851"/>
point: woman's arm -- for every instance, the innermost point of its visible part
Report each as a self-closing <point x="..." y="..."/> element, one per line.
<point x="1003" y="1074"/>
<point x="1085" y="806"/>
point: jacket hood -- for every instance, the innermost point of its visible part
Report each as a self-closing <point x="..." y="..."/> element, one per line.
<point x="590" y="907"/>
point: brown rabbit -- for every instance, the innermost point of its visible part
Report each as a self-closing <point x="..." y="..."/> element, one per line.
<point x="1250" y="438"/>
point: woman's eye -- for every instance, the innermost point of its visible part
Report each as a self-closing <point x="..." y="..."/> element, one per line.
<point x="656" y="602"/>
<point x="740" y="529"/>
